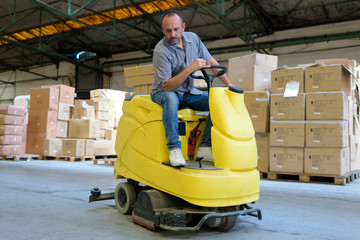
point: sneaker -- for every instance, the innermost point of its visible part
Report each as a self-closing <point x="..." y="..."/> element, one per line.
<point x="206" y="153"/>
<point x="176" y="158"/>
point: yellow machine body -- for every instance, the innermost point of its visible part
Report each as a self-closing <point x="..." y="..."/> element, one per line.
<point x="141" y="149"/>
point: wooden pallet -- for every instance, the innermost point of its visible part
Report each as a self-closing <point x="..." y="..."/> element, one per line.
<point x="24" y="157"/>
<point x="105" y="159"/>
<point x="263" y="175"/>
<point x="355" y="175"/>
<point x="71" y="159"/>
<point x="301" y="177"/>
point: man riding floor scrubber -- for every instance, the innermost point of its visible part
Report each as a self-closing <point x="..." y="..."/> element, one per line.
<point x="201" y="192"/>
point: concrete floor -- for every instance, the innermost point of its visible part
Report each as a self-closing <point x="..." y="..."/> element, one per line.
<point x="49" y="200"/>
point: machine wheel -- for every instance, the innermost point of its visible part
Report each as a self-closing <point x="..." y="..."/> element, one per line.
<point x="226" y="223"/>
<point x="125" y="197"/>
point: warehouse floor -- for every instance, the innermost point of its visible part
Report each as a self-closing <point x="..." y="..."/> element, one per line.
<point x="49" y="200"/>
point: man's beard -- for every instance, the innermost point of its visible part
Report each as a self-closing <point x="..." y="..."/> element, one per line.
<point x="174" y="40"/>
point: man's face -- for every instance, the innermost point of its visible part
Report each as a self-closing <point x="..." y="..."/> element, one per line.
<point x="172" y="28"/>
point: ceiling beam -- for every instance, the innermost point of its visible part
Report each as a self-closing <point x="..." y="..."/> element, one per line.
<point x="52" y="9"/>
<point x="227" y="23"/>
<point x="56" y="58"/>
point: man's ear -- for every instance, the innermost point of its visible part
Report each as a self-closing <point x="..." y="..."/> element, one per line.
<point x="183" y="26"/>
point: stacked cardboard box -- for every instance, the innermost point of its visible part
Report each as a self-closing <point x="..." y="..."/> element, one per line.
<point x="53" y="146"/>
<point x="12" y="130"/>
<point x="83" y="127"/>
<point x="257" y="104"/>
<point x="140" y="77"/>
<point x="107" y="106"/>
<point x="42" y="118"/>
<point x="314" y="132"/>
<point x="328" y="116"/>
<point x="287" y="130"/>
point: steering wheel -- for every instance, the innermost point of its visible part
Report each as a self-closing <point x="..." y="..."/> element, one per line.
<point x="209" y="77"/>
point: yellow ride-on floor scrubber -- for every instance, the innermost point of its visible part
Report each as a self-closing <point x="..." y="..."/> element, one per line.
<point x="185" y="198"/>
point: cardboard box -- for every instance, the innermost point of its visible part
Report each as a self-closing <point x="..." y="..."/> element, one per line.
<point x="9" y="150"/>
<point x="327" y="134"/>
<point x="101" y="134"/>
<point x="329" y="161"/>
<point x="103" y="115"/>
<point x="84" y="128"/>
<point x="257" y="104"/>
<point x="104" y="147"/>
<point x="139" y="80"/>
<point x="103" y="124"/>
<point x="53" y="147"/>
<point x="111" y="120"/>
<point x="289" y="108"/>
<point x="354" y="159"/>
<point x="329" y="78"/>
<point x="287" y="133"/>
<point x="35" y="143"/>
<point x="263" y="149"/>
<point x="142" y="89"/>
<point x="117" y="97"/>
<point x="11" y="120"/>
<point x="280" y="77"/>
<point x="326" y="106"/>
<point x="286" y="159"/>
<point x="11" y="130"/>
<point x="351" y="116"/>
<point x="24" y="138"/>
<point x="12" y="110"/>
<point x="355" y="164"/>
<point x="44" y="98"/>
<point x="62" y="129"/>
<point x="73" y="147"/>
<point x="10" y="139"/>
<point x="252" y="72"/>
<point x="66" y="93"/>
<point x="43" y="122"/>
<point x="102" y="104"/>
<point x="89" y="147"/>
<point x="139" y="70"/>
<point x="83" y="110"/>
<point x="332" y="61"/>
<point x="64" y="111"/>
<point x="110" y="134"/>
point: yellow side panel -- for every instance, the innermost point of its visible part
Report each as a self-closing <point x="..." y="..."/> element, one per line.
<point x="236" y="155"/>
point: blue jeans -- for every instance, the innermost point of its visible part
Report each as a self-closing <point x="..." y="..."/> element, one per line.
<point x="171" y="103"/>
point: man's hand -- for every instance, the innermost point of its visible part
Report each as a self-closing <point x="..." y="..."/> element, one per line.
<point x="174" y="82"/>
<point x="198" y="64"/>
<point x="223" y="77"/>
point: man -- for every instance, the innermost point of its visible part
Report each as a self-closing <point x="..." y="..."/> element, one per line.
<point x="175" y="57"/>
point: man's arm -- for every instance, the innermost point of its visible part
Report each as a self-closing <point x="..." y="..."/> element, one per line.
<point x="174" y="82"/>
<point x="223" y="78"/>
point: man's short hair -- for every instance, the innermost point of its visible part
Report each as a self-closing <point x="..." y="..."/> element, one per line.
<point x="172" y="12"/>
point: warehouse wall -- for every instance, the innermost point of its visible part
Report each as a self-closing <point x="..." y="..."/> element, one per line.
<point x="19" y="82"/>
<point x="289" y="55"/>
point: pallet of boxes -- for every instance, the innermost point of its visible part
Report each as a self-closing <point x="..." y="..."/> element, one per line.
<point x="48" y="119"/>
<point x="312" y="130"/>
<point x="107" y="107"/>
<point x="13" y="132"/>
<point x="253" y="74"/>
